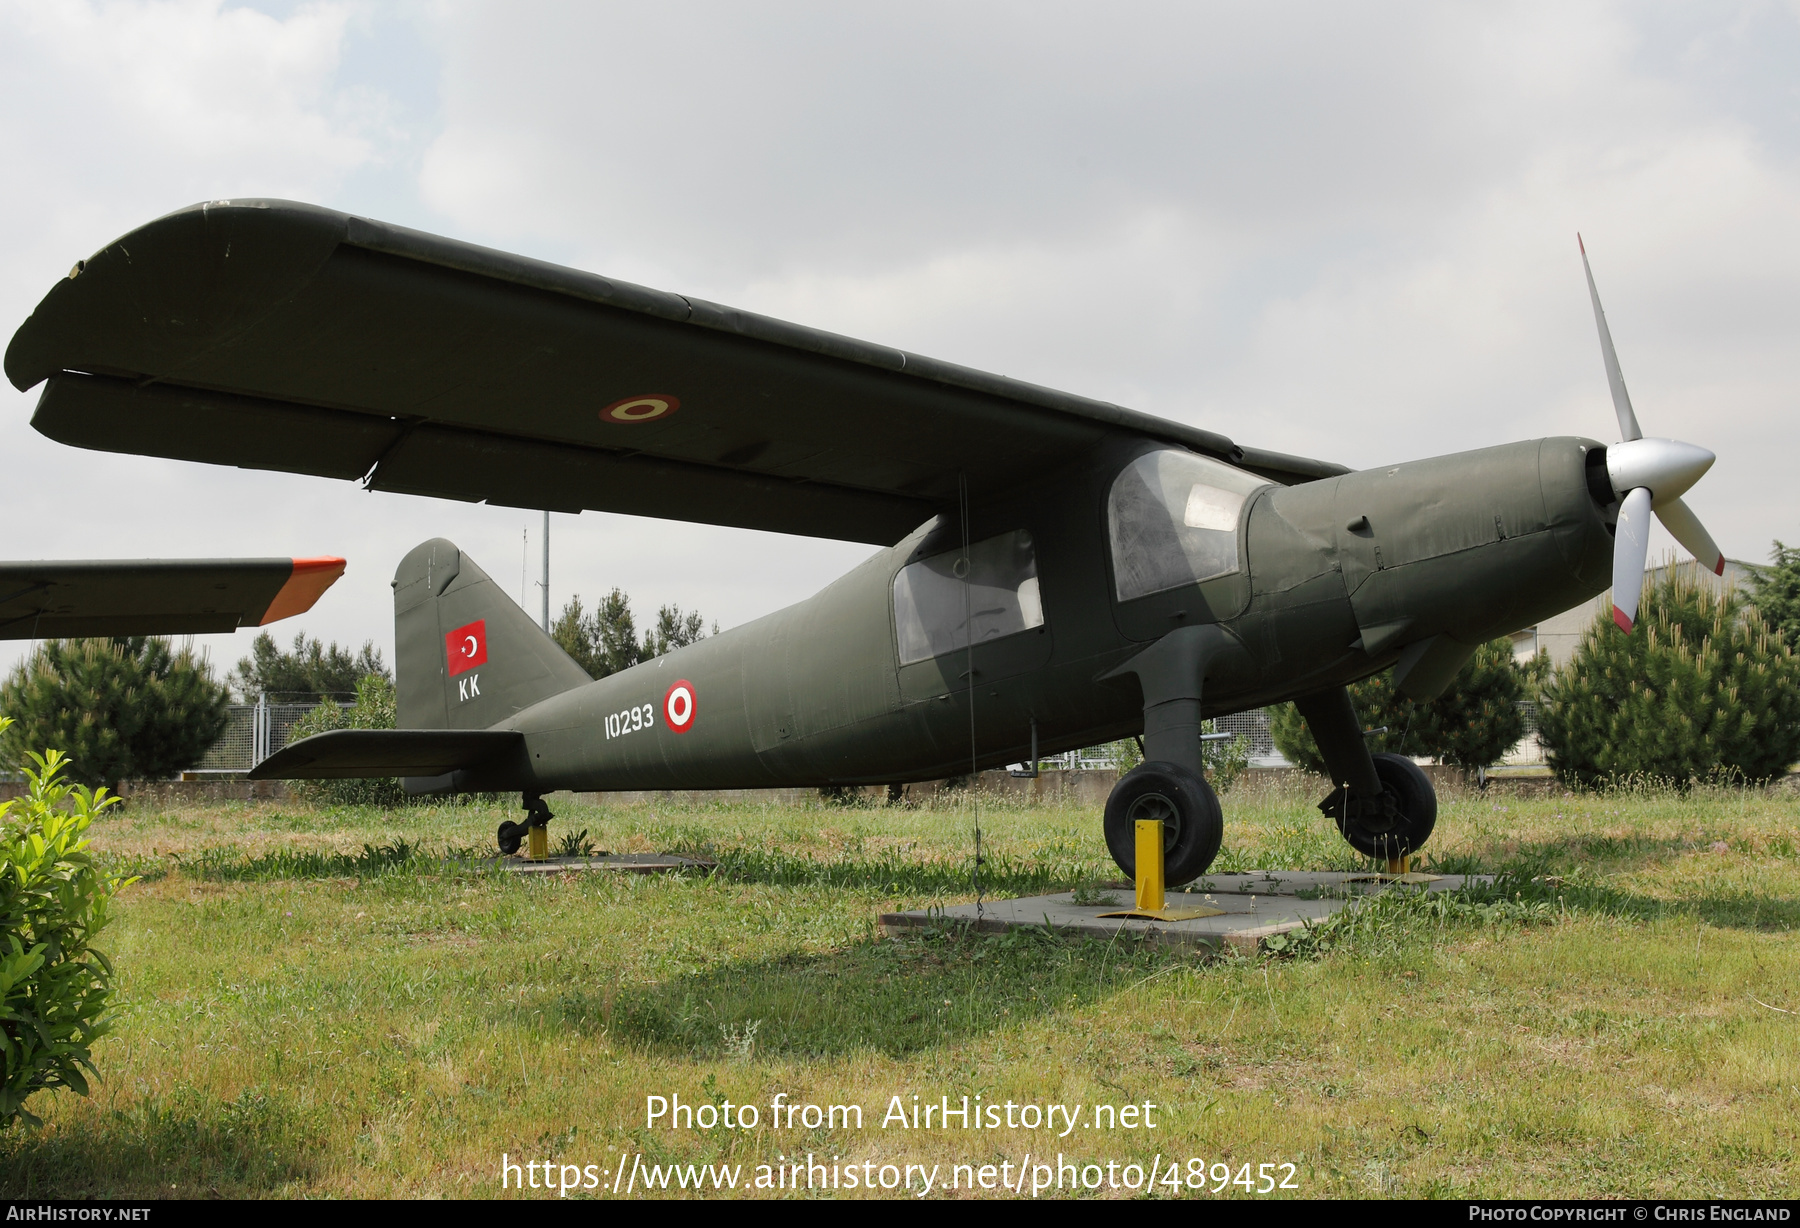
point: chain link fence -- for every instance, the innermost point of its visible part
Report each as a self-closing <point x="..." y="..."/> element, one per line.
<point x="1252" y="726"/>
<point x="257" y="730"/>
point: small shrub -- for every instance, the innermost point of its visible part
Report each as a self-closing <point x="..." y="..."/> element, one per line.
<point x="373" y="709"/>
<point x="1471" y="725"/>
<point x="119" y="709"/>
<point x="55" y="988"/>
<point x="1701" y="690"/>
<point x="1226" y="759"/>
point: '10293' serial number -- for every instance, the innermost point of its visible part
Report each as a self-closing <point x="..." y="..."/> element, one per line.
<point x="630" y="720"/>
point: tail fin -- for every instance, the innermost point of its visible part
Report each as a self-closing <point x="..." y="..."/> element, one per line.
<point x="465" y="655"/>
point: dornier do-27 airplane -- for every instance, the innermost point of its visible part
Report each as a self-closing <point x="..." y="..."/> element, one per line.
<point x="1056" y="571"/>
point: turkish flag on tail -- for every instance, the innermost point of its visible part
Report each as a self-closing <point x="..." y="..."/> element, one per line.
<point x="466" y="647"/>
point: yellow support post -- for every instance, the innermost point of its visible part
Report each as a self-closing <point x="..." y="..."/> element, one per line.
<point x="1400" y="865"/>
<point x="537" y="842"/>
<point x="1149" y="884"/>
<point x="1149" y="865"/>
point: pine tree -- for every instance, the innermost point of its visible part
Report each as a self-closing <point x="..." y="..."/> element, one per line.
<point x="308" y="670"/>
<point x="606" y="642"/>
<point x="674" y="630"/>
<point x="1702" y="689"/>
<point x="1471" y="725"/>
<point x="573" y="632"/>
<point x="120" y="709"/>
<point x="1775" y="592"/>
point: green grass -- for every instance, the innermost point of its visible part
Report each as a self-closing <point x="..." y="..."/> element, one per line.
<point x="343" y="1002"/>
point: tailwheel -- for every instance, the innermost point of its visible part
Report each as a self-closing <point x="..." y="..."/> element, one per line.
<point x="1393" y="825"/>
<point x="537" y="819"/>
<point x="511" y="835"/>
<point x="1187" y="808"/>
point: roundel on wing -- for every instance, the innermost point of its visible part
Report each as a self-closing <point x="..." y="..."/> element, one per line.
<point x="678" y="706"/>
<point x="648" y="407"/>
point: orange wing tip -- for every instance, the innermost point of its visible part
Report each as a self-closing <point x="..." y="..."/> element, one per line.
<point x="305" y="585"/>
<point x="1620" y="618"/>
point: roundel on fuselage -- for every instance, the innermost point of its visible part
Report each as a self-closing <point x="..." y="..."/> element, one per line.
<point x="679" y="705"/>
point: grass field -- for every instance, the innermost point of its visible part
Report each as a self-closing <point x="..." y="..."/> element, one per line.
<point x="317" y="1003"/>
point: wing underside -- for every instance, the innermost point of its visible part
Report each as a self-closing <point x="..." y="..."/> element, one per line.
<point x="79" y="598"/>
<point x="273" y="335"/>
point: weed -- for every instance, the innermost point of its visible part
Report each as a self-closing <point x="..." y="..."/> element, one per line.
<point x="1091" y="895"/>
<point x="576" y="844"/>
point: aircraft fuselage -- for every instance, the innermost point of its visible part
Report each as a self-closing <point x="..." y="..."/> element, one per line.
<point x="1334" y="580"/>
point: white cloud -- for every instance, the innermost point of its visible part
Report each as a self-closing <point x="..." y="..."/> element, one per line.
<point x="1340" y="231"/>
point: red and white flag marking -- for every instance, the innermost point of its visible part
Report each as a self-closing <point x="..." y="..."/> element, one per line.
<point x="466" y="647"/>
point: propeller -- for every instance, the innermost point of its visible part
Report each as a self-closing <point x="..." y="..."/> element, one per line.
<point x="1649" y="476"/>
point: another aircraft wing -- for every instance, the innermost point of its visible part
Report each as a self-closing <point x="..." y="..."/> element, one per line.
<point x="386" y="752"/>
<point x="66" y="598"/>
<point x="275" y="335"/>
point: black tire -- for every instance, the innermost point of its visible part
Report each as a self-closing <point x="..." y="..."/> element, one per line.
<point x="1192" y="824"/>
<point x="511" y="835"/>
<point x="1373" y="833"/>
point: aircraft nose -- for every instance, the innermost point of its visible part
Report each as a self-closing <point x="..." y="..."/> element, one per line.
<point x="1664" y="467"/>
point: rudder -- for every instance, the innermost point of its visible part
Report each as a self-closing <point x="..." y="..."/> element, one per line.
<point x="465" y="655"/>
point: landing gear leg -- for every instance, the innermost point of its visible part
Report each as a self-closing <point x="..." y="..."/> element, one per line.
<point x="535" y="828"/>
<point x="1171" y="784"/>
<point x="1383" y="804"/>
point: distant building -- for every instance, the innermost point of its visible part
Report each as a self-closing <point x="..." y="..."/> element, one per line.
<point x="1560" y="636"/>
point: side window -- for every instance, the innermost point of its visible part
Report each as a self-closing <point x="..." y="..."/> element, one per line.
<point x="1172" y="518"/>
<point x="933" y="615"/>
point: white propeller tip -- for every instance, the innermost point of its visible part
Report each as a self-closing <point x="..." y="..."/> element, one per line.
<point x="1623" y="619"/>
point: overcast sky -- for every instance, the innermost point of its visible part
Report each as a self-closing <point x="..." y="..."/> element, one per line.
<point x="1341" y="231"/>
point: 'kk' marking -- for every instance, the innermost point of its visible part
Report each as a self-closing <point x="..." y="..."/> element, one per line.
<point x="465" y="687"/>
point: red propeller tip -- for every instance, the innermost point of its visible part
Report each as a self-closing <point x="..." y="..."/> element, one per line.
<point x="1719" y="567"/>
<point x="1624" y="622"/>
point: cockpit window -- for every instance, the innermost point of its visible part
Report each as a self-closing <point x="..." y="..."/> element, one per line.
<point x="933" y="614"/>
<point x="1172" y="517"/>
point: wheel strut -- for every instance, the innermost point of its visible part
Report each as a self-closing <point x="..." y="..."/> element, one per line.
<point x="534" y="829"/>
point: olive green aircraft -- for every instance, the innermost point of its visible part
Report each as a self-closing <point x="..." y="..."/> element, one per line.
<point x="1055" y="571"/>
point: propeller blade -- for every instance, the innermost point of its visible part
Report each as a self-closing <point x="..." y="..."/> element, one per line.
<point x="1679" y="519"/>
<point x="1631" y="550"/>
<point x="1615" y="379"/>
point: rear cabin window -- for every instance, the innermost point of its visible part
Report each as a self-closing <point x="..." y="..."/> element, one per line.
<point x="933" y="615"/>
<point x="1173" y="517"/>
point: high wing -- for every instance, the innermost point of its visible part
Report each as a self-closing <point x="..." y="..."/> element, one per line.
<point x="65" y="598"/>
<point x="275" y="335"/>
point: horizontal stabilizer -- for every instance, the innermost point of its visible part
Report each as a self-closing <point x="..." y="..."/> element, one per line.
<point x="70" y="598"/>
<point x="344" y="753"/>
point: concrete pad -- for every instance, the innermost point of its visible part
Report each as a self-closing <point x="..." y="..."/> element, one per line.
<point x="1252" y="907"/>
<point x="618" y="863"/>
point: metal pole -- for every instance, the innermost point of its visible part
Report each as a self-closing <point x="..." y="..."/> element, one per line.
<point x="546" y="571"/>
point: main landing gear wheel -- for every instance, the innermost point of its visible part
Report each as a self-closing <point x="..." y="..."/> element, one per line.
<point x="1187" y="808"/>
<point x="1394" y="824"/>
